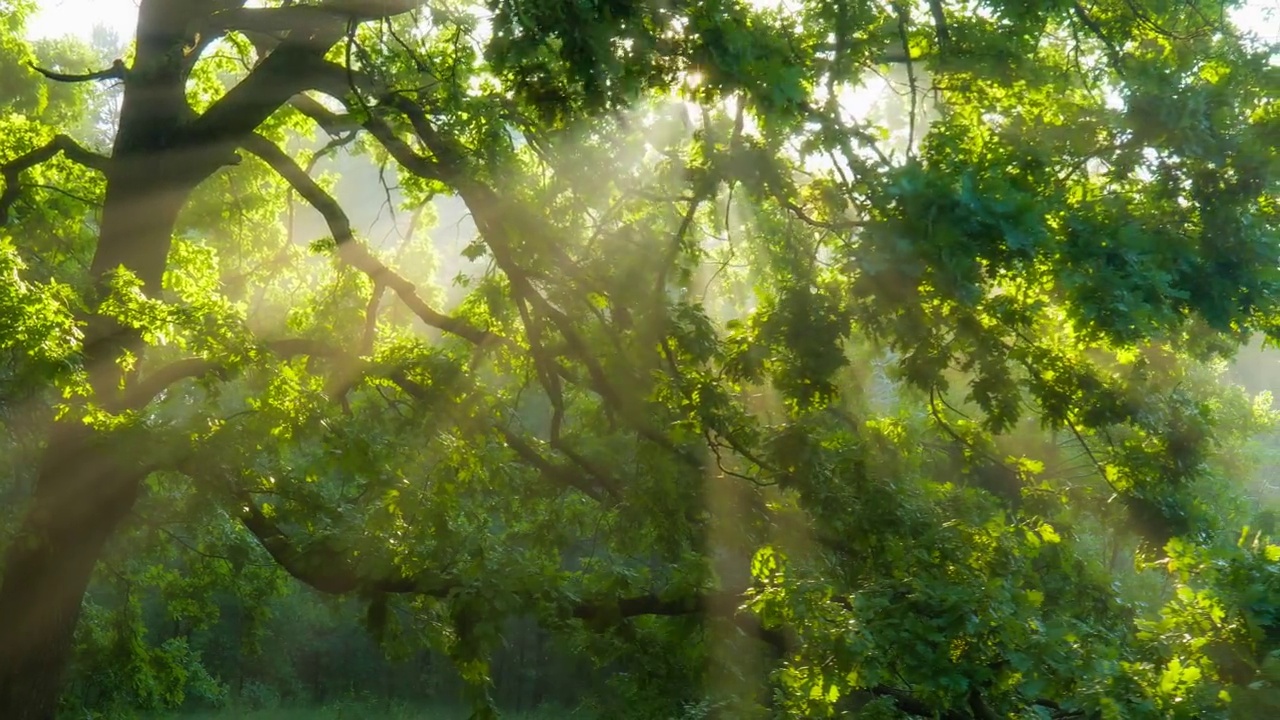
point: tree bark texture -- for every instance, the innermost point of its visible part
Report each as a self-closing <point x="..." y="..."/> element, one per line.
<point x="85" y="487"/>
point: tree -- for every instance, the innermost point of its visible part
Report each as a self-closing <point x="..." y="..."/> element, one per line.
<point x="162" y="150"/>
<point x="681" y="298"/>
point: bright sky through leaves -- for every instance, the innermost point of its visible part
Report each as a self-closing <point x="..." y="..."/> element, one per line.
<point x="78" y="17"/>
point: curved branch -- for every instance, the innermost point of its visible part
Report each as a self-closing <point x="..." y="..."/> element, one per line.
<point x="60" y="144"/>
<point x="332" y="570"/>
<point x="329" y="569"/>
<point x="161" y="379"/>
<point x="498" y="221"/>
<point x="495" y="219"/>
<point x="334" y="124"/>
<point x="324" y="17"/>
<point x="351" y="251"/>
<point x="153" y="384"/>
<point x="115" y="72"/>
<point x="292" y="66"/>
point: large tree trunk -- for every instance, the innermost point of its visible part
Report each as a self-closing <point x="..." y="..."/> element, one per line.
<point x="86" y="485"/>
<point x="80" y="499"/>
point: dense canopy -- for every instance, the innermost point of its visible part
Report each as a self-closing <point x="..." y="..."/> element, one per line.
<point x="804" y="358"/>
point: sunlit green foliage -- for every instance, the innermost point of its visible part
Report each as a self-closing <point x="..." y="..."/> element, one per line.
<point x="767" y="405"/>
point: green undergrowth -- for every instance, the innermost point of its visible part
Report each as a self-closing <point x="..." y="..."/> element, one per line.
<point x="356" y="711"/>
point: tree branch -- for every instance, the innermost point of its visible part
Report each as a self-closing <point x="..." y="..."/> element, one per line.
<point x="939" y="24"/>
<point x="351" y="251"/>
<point x="497" y="220"/>
<point x="602" y="491"/>
<point x="359" y="257"/>
<point x="331" y="122"/>
<point x="329" y="569"/>
<point x="271" y="84"/>
<point x="156" y="382"/>
<point x="332" y="570"/>
<point x="912" y="705"/>
<point x="161" y="379"/>
<point x="60" y="144"/>
<point x="494" y="218"/>
<point x="336" y="82"/>
<point x="289" y="69"/>
<point x="355" y="254"/>
<point x="1113" y="52"/>
<point x="115" y="72"/>
<point x="308" y="19"/>
<point x="904" y="22"/>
